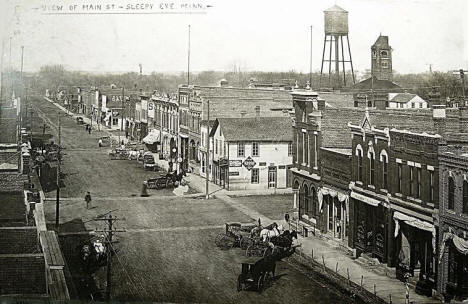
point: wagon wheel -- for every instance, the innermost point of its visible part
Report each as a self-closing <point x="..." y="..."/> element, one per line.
<point x="228" y="242"/>
<point x="240" y="284"/>
<point x="248" y="251"/>
<point x="266" y="280"/>
<point x="266" y="251"/>
<point x="260" y="283"/>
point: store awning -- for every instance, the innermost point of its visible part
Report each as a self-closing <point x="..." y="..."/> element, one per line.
<point x="365" y="199"/>
<point x="151" y="138"/>
<point x="417" y="223"/>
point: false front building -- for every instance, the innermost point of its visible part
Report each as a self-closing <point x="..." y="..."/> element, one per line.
<point x="249" y="153"/>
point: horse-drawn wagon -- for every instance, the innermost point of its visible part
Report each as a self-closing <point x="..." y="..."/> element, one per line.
<point x="165" y="181"/>
<point x="235" y="235"/>
<point x="256" y="273"/>
<point x="118" y="154"/>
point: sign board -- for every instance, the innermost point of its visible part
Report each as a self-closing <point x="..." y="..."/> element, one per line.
<point x="223" y="162"/>
<point x="282" y="167"/>
<point x="235" y="163"/>
<point x="116" y="98"/>
<point x="233" y="173"/>
<point x="249" y="163"/>
<point x="262" y="164"/>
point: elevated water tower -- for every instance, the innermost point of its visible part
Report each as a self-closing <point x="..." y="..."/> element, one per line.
<point x="336" y="27"/>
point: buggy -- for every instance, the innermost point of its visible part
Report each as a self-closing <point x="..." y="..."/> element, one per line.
<point x="118" y="154"/>
<point x="148" y="161"/>
<point x="256" y="273"/>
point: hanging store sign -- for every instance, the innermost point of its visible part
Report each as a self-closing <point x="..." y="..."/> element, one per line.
<point x="249" y="163"/>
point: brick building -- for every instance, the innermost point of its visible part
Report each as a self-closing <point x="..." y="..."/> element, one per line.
<point x="453" y="217"/>
<point x="381" y="61"/>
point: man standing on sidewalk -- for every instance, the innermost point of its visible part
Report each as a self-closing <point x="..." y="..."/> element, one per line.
<point x="87" y="199"/>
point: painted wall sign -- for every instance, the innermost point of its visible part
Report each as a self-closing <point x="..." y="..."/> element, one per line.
<point x="235" y="163"/>
<point x="233" y="173"/>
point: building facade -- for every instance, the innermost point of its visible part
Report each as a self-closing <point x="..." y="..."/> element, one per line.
<point x="250" y="153"/>
<point x="381" y="61"/>
<point x="453" y="236"/>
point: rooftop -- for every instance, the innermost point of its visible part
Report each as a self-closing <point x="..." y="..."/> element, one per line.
<point x="379" y="84"/>
<point x="11" y="182"/>
<point x="22" y="274"/>
<point x="335" y="8"/>
<point x="402" y="97"/>
<point x="277" y="129"/>
<point x="382" y="41"/>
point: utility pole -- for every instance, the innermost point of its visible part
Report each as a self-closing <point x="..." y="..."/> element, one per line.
<point x="31" y="125"/>
<point x="188" y="57"/>
<point x="121" y="113"/>
<point x="310" y="68"/>
<point x="207" y="167"/>
<point x="109" y="250"/>
<point x="22" y="52"/>
<point x="462" y="76"/>
<point x="57" y="202"/>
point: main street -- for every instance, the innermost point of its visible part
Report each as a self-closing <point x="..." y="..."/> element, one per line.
<point x="167" y="253"/>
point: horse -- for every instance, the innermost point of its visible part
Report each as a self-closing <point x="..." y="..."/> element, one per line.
<point x="283" y="244"/>
<point x="267" y="234"/>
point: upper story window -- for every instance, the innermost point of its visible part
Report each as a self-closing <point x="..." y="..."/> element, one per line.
<point x="374" y="54"/>
<point x="431" y="186"/>
<point x="384" y="160"/>
<point x="451" y="193"/>
<point x="384" y="54"/>
<point x="304" y="115"/>
<point x="290" y="149"/>
<point x="400" y="176"/>
<point x="359" y="162"/>
<point x="411" y="189"/>
<point x="384" y="64"/>
<point x="216" y="146"/>
<point x="240" y="149"/>
<point x="418" y="183"/>
<point x="372" y="168"/>
<point x="255" y="149"/>
<point x="465" y="196"/>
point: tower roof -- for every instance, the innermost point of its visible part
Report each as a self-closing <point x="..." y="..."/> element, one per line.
<point x="335" y="8"/>
<point x="382" y="41"/>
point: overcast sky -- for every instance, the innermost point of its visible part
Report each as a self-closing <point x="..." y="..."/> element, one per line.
<point x="254" y="34"/>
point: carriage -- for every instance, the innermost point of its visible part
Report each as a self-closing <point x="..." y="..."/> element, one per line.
<point x="235" y="235"/>
<point x="94" y="252"/>
<point x="148" y="162"/>
<point x="161" y="182"/>
<point x="256" y="274"/>
<point x="118" y="154"/>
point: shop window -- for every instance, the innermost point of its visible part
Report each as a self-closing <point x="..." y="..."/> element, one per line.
<point x="451" y="193"/>
<point x="240" y="149"/>
<point x="465" y="197"/>
<point x="255" y="149"/>
<point x="254" y="176"/>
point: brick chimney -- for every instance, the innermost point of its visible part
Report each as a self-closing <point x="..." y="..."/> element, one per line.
<point x="439" y="118"/>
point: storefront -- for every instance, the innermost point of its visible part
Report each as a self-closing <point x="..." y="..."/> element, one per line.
<point x="220" y="172"/>
<point x="370" y="226"/>
<point x="454" y="250"/>
<point x="334" y="205"/>
<point x="415" y="248"/>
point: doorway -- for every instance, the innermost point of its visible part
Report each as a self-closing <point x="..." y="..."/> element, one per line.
<point x="272" y="173"/>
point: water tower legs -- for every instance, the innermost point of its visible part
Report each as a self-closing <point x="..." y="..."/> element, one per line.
<point x="334" y="57"/>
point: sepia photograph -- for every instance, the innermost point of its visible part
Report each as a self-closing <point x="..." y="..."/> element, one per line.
<point x="234" y="151"/>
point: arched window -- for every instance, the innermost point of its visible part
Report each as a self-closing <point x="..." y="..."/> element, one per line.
<point x="359" y="162"/>
<point x="451" y="193"/>
<point x="372" y="169"/>
<point x="465" y="196"/>
<point x="384" y="160"/>
<point x="313" y="196"/>
<point x="384" y="53"/>
<point x="306" y="199"/>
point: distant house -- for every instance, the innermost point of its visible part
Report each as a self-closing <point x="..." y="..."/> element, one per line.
<point x="406" y="101"/>
<point x="250" y="153"/>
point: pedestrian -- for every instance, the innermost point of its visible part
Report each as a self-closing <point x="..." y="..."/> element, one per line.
<point x="87" y="199"/>
<point x="100" y="142"/>
<point x="86" y="127"/>
<point x="89" y="130"/>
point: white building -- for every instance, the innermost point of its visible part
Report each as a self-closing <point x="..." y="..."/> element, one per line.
<point x="248" y="153"/>
<point x="406" y="101"/>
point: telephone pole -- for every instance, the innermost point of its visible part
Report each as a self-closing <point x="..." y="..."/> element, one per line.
<point x="57" y="202"/>
<point x="207" y="167"/>
<point x="109" y="248"/>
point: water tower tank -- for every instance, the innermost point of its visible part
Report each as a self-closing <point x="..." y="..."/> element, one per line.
<point x="336" y="21"/>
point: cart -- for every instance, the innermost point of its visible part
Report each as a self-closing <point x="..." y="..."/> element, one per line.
<point x="234" y="236"/>
<point x="148" y="161"/>
<point x="256" y="274"/>
<point x="161" y="182"/>
<point x="118" y="154"/>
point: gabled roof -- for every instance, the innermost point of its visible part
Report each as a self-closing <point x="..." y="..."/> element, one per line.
<point x="379" y="84"/>
<point x="335" y="8"/>
<point x="11" y="182"/>
<point x="277" y="129"/>
<point x="403" y="97"/>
